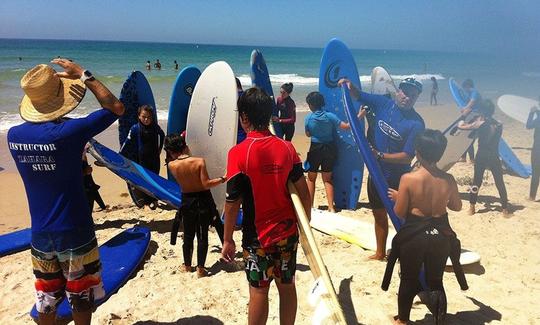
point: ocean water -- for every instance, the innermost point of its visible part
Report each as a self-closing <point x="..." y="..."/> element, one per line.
<point x="111" y="62"/>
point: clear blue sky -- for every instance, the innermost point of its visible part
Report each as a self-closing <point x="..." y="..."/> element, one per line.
<point x="460" y="25"/>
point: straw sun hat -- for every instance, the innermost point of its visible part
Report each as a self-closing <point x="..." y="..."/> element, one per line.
<point x="47" y="96"/>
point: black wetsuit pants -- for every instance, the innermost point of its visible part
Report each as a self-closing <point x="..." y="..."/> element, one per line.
<point x="431" y="249"/>
<point x="197" y="210"/>
<point x="92" y="193"/>
<point x="288" y="131"/>
<point x="535" y="178"/>
<point x="492" y="163"/>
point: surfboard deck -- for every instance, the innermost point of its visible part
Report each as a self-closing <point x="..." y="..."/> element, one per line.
<point x="337" y="62"/>
<point x="362" y="233"/>
<point x="213" y="122"/>
<point x="261" y="78"/>
<point x="136" y="175"/>
<point x="315" y="260"/>
<point x="120" y="256"/>
<point x="15" y="241"/>
<point x="516" y="107"/>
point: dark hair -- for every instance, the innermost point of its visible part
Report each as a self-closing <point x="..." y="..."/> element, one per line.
<point x="146" y="108"/>
<point x="315" y="100"/>
<point x="487" y="108"/>
<point x="467" y="83"/>
<point x="238" y="83"/>
<point x="430" y="145"/>
<point x="288" y="87"/>
<point x="257" y="106"/>
<point x="174" y="142"/>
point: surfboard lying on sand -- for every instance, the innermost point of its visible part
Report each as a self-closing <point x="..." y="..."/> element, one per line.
<point x="516" y="107"/>
<point x="362" y="233"/>
<point x="213" y="122"/>
<point x="15" y="241"/>
<point x="136" y="175"/>
<point x="323" y="288"/>
<point x="120" y="256"/>
<point x="261" y="78"/>
<point x="180" y="99"/>
<point x="337" y="62"/>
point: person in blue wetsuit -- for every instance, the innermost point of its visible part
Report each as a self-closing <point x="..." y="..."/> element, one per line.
<point x="321" y="126"/>
<point x="533" y="122"/>
<point x="47" y="150"/>
<point x="394" y="127"/>
<point x="473" y="104"/>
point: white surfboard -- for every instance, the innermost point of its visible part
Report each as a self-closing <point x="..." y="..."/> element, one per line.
<point x="516" y="107"/>
<point x="362" y="233"/>
<point x="382" y="83"/>
<point x="212" y="122"/>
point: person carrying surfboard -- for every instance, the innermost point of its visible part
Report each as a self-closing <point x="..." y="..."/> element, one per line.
<point x="258" y="170"/>
<point x="426" y="237"/>
<point x="489" y="135"/>
<point x="533" y="122"/>
<point x="321" y="126"/>
<point x="47" y="151"/>
<point x="473" y="104"/>
<point x="394" y="126"/>
<point x="198" y="208"/>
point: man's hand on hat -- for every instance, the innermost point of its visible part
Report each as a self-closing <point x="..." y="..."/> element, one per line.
<point x="71" y="70"/>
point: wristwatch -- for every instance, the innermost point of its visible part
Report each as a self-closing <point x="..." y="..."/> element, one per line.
<point x="380" y="155"/>
<point x="87" y="75"/>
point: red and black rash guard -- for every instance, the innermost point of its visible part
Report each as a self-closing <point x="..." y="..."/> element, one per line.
<point x="258" y="170"/>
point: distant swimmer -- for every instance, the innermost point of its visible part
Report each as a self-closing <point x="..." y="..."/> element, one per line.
<point x="489" y="133"/>
<point x="533" y="122"/>
<point x="198" y="208"/>
<point x="434" y="91"/>
<point x="148" y="65"/>
<point x="65" y="256"/>
<point x="426" y="238"/>
<point x="286" y="111"/>
<point x="321" y="126"/>
<point x="269" y="228"/>
<point x="395" y="124"/>
<point x="157" y="65"/>
<point x="175" y="65"/>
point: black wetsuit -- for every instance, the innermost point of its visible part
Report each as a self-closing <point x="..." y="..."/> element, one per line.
<point x="487" y="157"/>
<point x="198" y="211"/>
<point x="91" y="189"/>
<point x="429" y="242"/>
<point x="533" y="122"/>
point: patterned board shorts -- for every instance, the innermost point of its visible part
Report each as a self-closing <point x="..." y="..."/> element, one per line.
<point x="60" y="271"/>
<point x="274" y="262"/>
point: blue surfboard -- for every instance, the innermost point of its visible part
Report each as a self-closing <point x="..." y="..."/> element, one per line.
<point x="180" y="99"/>
<point x="374" y="169"/>
<point x="337" y="62"/>
<point x="120" y="256"/>
<point x="261" y="79"/>
<point x="136" y="175"/>
<point x="507" y="155"/>
<point x="16" y="241"/>
<point x="135" y="92"/>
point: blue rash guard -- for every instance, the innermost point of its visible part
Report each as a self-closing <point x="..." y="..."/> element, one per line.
<point x="393" y="130"/>
<point x="48" y="156"/>
<point x="473" y="94"/>
<point x="322" y="126"/>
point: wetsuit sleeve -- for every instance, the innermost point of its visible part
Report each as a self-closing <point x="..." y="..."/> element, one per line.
<point x="89" y="126"/>
<point x="161" y="136"/>
<point x="373" y="101"/>
<point x="291" y="110"/>
<point x="296" y="172"/>
<point x="408" y="148"/>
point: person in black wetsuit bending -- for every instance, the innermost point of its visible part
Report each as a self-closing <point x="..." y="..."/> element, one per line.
<point x="426" y="237"/>
<point x="533" y="122"/>
<point x="487" y="157"/>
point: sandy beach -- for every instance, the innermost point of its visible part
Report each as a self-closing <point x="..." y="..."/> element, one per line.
<point x="504" y="286"/>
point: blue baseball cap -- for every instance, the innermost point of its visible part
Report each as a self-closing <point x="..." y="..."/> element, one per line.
<point x="411" y="82"/>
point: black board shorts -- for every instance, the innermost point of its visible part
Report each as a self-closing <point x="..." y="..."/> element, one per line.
<point x="321" y="157"/>
<point x="373" y="196"/>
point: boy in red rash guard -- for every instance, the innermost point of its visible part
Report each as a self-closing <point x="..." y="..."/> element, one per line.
<point x="258" y="170"/>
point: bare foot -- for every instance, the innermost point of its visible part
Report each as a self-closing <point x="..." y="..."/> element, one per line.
<point x="187" y="268"/>
<point x="506" y="213"/>
<point x="201" y="272"/>
<point x="532" y="199"/>
<point x="377" y="257"/>
<point x="472" y="209"/>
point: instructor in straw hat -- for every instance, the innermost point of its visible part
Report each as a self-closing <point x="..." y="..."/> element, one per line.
<point x="47" y="151"/>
